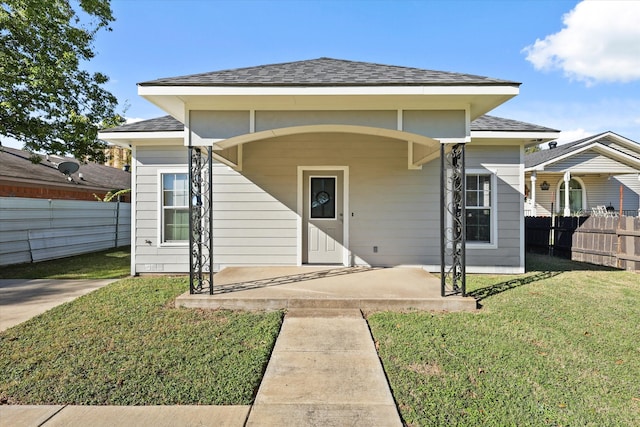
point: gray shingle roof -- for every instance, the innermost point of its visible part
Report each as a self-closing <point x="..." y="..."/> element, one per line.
<point x="482" y="123"/>
<point x="16" y="164"/>
<point x="158" y="124"/>
<point x="493" y="123"/>
<point x="543" y="156"/>
<point x="328" y="72"/>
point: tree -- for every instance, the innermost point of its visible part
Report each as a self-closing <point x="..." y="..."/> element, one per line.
<point x="47" y="100"/>
<point x="532" y="149"/>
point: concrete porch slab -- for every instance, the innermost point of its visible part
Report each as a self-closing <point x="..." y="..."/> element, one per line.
<point x="363" y="288"/>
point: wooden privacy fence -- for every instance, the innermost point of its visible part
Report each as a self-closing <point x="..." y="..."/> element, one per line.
<point x="613" y="242"/>
<point x="34" y="230"/>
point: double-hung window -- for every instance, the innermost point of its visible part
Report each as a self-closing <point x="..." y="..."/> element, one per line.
<point x="481" y="209"/>
<point x="174" y="207"/>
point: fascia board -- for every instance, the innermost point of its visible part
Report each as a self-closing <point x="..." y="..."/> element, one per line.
<point x="630" y="144"/>
<point x="128" y="136"/>
<point x="544" y="136"/>
<point x="326" y="90"/>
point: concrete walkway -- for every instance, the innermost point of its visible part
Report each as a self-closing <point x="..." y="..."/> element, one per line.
<point x="22" y="299"/>
<point x="324" y="371"/>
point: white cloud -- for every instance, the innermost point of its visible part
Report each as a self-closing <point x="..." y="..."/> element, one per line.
<point x="571" y="135"/>
<point x="599" y="43"/>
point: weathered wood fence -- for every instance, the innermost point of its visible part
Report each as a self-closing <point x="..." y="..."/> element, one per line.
<point x="613" y="242"/>
<point x="34" y="230"/>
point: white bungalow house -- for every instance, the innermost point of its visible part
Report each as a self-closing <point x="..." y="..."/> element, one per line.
<point x="602" y="173"/>
<point x="328" y="161"/>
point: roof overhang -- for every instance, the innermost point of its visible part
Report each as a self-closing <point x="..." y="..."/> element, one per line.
<point x="529" y="138"/>
<point x="128" y="139"/>
<point x="611" y="153"/>
<point x="478" y="99"/>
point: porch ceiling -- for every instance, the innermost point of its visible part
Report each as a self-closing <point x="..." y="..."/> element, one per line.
<point x="424" y="150"/>
<point x="364" y="130"/>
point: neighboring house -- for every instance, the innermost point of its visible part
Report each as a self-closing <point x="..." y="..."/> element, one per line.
<point x="328" y="161"/>
<point x="21" y="177"/>
<point x="599" y="171"/>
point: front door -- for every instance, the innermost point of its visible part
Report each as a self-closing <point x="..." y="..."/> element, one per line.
<point x="323" y="227"/>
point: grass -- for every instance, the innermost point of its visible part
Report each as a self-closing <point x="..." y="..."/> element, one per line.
<point x="109" y="264"/>
<point x="558" y="346"/>
<point x="125" y="344"/>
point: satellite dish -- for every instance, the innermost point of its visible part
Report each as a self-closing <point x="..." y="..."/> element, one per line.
<point x="68" y="168"/>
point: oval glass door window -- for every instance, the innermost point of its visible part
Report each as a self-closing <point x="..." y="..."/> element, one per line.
<point x="323" y="196"/>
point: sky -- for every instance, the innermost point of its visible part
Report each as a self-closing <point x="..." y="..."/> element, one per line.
<point x="578" y="61"/>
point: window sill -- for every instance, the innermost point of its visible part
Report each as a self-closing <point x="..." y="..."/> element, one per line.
<point x="470" y="245"/>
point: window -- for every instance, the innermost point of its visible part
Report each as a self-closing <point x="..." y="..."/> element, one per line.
<point x="323" y="197"/>
<point x="480" y="208"/>
<point x="576" y="196"/>
<point x="175" y="208"/>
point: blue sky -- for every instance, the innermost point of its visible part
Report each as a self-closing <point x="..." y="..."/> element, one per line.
<point x="162" y="38"/>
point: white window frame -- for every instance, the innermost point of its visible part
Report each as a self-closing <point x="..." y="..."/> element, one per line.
<point x="560" y="200"/>
<point x="160" y="230"/>
<point x="493" y="242"/>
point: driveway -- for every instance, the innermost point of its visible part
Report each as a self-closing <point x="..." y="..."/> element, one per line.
<point x="22" y="299"/>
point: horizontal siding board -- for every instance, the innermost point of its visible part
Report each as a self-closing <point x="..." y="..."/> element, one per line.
<point x="262" y="242"/>
<point x="16" y="257"/>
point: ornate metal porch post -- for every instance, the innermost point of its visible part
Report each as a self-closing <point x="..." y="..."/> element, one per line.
<point x="200" y="221"/>
<point x="452" y="221"/>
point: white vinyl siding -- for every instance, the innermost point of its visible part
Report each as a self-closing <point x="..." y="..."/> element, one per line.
<point x="151" y="255"/>
<point x="391" y="207"/>
<point x="503" y="164"/>
<point x="589" y="161"/>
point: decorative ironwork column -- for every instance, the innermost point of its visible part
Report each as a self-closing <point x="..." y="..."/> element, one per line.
<point x="452" y="221"/>
<point x="200" y="221"/>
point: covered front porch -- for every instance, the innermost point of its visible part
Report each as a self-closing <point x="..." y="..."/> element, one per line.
<point x="364" y="288"/>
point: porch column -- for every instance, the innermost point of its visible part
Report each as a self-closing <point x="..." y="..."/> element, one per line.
<point x="534" y="179"/>
<point x="200" y="221"/>
<point x="452" y="221"/>
<point x="567" y="208"/>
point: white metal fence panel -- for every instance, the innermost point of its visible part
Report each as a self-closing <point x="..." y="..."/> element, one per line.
<point x="39" y="229"/>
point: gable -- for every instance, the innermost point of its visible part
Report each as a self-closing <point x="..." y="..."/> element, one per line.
<point x="590" y="161"/>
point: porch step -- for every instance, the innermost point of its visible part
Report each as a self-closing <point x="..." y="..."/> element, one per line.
<point x="229" y="302"/>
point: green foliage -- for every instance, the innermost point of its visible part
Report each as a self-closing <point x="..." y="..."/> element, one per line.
<point x="125" y="345"/>
<point x="549" y="348"/>
<point x="109" y="264"/>
<point x="533" y="149"/>
<point x="47" y="100"/>
<point x="111" y="195"/>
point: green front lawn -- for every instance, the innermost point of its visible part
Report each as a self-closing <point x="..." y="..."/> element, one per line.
<point x="125" y="344"/>
<point x="108" y="264"/>
<point x="554" y="347"/>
